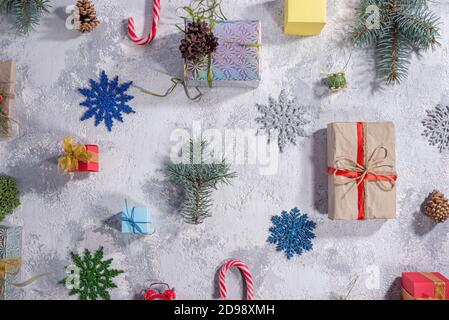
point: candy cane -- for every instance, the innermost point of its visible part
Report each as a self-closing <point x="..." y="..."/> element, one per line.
<point x="152" y="34"/>
<point x="246" y="274"/>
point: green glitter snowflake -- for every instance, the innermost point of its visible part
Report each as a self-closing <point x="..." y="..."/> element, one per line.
<point x="90" y="276"/>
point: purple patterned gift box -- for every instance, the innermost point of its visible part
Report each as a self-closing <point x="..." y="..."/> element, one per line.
<point x="236" y="61"/>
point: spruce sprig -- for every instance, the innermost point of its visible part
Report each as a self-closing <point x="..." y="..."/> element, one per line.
<point x="27" y="13"/>
<point x="404" y="26"/>
<point x="95" y="275"/>
<point x="199" y="176"/>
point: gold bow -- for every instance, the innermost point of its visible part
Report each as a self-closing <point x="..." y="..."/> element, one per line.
<point x="74" y="152"/>
<point x="372" y="168"/>
<point x="12" y="267"/>
<point x="8" y="267"/>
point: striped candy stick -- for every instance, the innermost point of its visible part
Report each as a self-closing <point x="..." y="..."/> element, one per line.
<point x="245" y="273"/>
<point x="152" y="34"/>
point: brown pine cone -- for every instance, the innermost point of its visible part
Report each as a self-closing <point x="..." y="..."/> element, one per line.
<point x="198" y="42"/>
<point x="437" y="206"/>
<point x="88" y="20"/>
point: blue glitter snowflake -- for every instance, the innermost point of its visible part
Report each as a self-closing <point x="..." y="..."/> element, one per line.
<point x="292" y="232"/>
<point x="106" y="100"/>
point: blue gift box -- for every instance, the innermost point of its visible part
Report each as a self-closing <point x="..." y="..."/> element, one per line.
<point x="136" y="220"/>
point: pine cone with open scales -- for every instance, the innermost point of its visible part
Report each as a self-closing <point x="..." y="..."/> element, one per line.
<point x="88" y="20"/>
<point x="199" y="41"/>
<point x="437" y="206"/>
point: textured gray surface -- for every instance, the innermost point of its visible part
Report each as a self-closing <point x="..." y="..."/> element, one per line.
<point x="62" y="213"/>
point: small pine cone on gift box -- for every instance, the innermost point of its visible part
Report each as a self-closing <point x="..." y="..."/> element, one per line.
<point x="437" y="206"/>
<point x="199" y="41"/>
<point x="88" y="20"/>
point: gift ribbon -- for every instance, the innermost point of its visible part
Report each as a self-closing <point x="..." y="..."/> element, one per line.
<point x="12" y="267"/>
<point x="440" y="288"/>
<point x="364" y="170"/>
<point x="9" y="95"/>
<point x="175" y="82"/>
<point x="73" y="153"/>
<point x="129" y="218"/>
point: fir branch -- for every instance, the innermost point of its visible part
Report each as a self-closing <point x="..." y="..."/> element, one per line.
<point x="420" y="28"/>
<point x="6" y="6"/>
<point x="198" y="181"/>
<point x="27" y="13"/>
<point x="361" y="34"/>
<point x="404" y="26"/>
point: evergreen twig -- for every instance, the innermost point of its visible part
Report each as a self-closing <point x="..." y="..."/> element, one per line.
<point x="27" y="13"/>
<point x="404" y="26"/>
<point x="199" y="177"/>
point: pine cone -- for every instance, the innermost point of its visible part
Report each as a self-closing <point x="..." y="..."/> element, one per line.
<point x="198" y="42"/>
<point x="437" y="206"/>
<point x="88" y="20"/>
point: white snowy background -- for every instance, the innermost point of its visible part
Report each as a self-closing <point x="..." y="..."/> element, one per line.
<point x="61" y="213"/>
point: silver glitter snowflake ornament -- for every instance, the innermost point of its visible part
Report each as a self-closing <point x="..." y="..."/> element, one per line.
<point x="285" y="117"/>
<point x="437" y="127"/>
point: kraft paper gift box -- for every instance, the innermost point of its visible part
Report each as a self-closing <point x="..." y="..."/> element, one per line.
<point x="361" y="170"/>
<point x="136" y="220"/>
<point x="10" y="259"/>
<point x="304" y="17"/>
<point x="236" y="61"/>
<point x="424" y="286"/>
<point x="7" y="80"/>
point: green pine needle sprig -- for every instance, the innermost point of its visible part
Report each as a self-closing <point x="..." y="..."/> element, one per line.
<point x="27" y="13"/>
<point x="199" y="176"/>
<point x="404" y="26"/>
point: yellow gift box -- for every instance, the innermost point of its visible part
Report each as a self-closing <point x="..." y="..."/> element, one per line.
<point x="304" y="17"/>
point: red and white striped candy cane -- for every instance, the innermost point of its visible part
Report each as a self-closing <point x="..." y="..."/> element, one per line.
<point x="152" y="34"/>
<point x="246" y="274"/>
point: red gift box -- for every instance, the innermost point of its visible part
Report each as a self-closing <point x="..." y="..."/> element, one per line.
<point x="92" y="165"/>
<point x="424" y="286"/>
